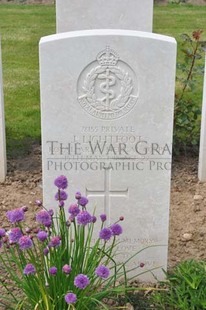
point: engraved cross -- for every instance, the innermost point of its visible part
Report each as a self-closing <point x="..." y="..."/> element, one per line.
<point x="107" y="193"/>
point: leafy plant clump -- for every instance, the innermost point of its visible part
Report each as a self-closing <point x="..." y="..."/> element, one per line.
<point x="185" y="288"/>
<point x="177" y="1"/>
<point x="187" y="110"/>
<point x="57" y="264"/>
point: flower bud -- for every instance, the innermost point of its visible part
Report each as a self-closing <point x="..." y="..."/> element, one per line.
<point x="28" y="230"/>
<point x="66" y="269"/>
<point x="61" y="203"/>
<point x="5" y="239"/>
<point x="38" y="203"/>
<point x="94" y="219"/>
<point x="36" y="230"/>
<point x="71" y="218"/>
<point x="68" y="223"/>
<point x="25" y="208"/>
<point x="2" y="232"/>
<point x="78" y="195"/>
<point x="103" y="217"/>
<point x="51" y="212"/>
<point x="46" y="251"/>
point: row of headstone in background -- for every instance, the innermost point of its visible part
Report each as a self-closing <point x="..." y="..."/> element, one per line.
<point x="202" y="155"/>
<point x="3" y="164"/>
<point x="107" y="99"/>
<point x="72" y="15"/>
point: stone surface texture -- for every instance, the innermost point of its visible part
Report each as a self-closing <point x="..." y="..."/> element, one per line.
<point x="74" y="15"/>
<point x="107" y="99"/>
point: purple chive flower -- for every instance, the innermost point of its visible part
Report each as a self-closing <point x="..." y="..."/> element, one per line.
<point x="70" y="298"/>
<point x="102" y="272"/>
<point x="14" y="235"/>
<point x="54" y="242"/>
<point x="66" y="269"/>
<point x="15" y="216"/>
<point x="61" y="182"/>
<point x="84" y="218"/>
<point x="78" y="195"/>
<point x="46" y="251"/>
<point x="29" y="269"/>
<point x="94" y="219"/>
<point x="42" y="235"/>
<point x="81" y="281"/>
<point x="105" y="234"/>
<point x="53" y="271"/>
<point x="103" y="217"/>
<point x="83" y="201"/>
<point x="25" y="243"/>
<point x="43" y="217"/>
<point x="61" y="195"/>
<point x="2" y="232"/>
<point x="74" y="210"/>
<point x="116" y="229"/>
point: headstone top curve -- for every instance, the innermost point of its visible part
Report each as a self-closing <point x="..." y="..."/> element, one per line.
<point x="103" y="32"/>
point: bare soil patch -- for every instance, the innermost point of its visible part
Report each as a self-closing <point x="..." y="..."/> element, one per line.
<point x="187" y="212"/>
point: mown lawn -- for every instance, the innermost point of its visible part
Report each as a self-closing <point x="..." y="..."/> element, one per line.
<point x="173" y="20"/>
<point x="22" y="26"/>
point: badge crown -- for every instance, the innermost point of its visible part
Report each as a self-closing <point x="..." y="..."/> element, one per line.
<point x="108" y="57"/>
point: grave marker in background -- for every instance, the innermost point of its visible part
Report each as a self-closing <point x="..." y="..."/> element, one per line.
<point x="2" y="128"/>
<point x="74" y="15"/>
<point x="107" y="99"/>
<point x="202" y="154"/>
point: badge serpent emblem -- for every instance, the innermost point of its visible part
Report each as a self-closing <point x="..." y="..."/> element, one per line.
<point x="107" y="88"/>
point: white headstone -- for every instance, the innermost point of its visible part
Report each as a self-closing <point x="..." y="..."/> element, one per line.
<point x="202" y="153"/>
<point x="2" y="128"/>
<point x="74" y="15"/>
<point x="107" y="101"/>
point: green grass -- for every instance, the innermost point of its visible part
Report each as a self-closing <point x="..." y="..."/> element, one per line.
<point x="174" y="20"/>
<point x="22" y="26"/>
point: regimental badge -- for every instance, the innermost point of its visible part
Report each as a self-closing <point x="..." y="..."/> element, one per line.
<point x="107" y="88"/>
